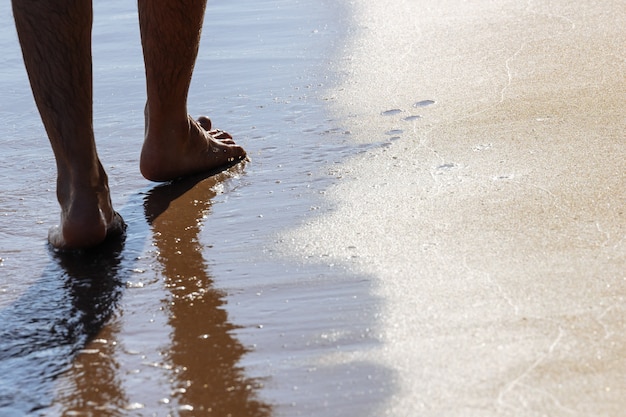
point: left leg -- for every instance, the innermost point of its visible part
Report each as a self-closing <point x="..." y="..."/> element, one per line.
<point x="55" y="36"/>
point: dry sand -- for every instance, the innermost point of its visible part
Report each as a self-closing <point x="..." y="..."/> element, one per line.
<point x="495" y="224"/>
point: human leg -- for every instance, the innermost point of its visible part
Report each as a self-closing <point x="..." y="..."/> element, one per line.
<point x="176" y="145"/>
<point x="55" y="36"/>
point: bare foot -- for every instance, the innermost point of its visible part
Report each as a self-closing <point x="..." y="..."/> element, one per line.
<point x="193" y="147"/>
<point x="87" y="215"/>
<point x="68" y="236"/>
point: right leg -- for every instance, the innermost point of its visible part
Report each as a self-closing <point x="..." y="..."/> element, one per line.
<point x="55" y="36"/>
<point x="176" y="145"/>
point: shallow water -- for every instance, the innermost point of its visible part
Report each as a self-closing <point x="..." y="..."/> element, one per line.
<point x="194" y="313"/>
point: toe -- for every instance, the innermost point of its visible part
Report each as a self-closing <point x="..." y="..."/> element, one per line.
<point x="205" y="122"/>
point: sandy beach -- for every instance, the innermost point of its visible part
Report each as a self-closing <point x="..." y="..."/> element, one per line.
<point x="432" y="223"/>
<point x="493" y="220"/>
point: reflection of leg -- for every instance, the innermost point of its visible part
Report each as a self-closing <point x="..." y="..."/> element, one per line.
<point x="174" y="212"/>
<point x="55" y="36"/>
<point x="176" y="145"/>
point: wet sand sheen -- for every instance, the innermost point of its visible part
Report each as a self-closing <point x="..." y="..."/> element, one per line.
<point x="194" y="313"/>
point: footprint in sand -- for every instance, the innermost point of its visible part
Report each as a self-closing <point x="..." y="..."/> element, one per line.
<point x="391" y="112"/>
<point x="424" y="103"/>
<point x="394" y="133"/>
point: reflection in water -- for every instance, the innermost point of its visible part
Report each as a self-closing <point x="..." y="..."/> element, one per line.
<point x="93" y="386"/>
<point x="204" y="354"/>
<point x="60" y="343"/>
<point x="44" y="330"/>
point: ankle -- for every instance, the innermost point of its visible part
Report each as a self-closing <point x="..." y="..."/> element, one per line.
<point x="163" y="120"/>
<point x="166" y="146"/>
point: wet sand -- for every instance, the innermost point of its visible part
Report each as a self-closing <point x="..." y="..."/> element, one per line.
<point x="196" y="312"/>
<point x="468" y="259"/>
<point x="493" y="223"/>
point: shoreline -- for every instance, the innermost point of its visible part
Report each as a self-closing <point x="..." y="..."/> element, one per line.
<point x="493" y="220"/>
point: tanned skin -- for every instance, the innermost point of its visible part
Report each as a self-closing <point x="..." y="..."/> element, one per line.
<point x="55" y="36"/>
